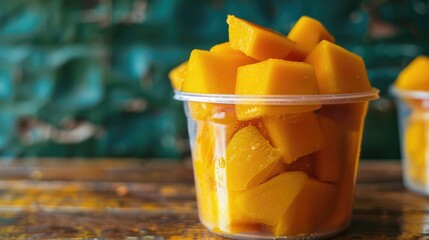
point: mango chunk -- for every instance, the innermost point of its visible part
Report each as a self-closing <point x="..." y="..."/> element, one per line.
<point x="414" y="76"/>
<point x="274" y="77"/>
<point x="303" y="164"/>
<point x="212" y="112"/>
<point x="416" y="135"/>
<point x="343" y="204"/>
<point x="310" y="208"/>
<point x="338" y="70"/>
<point x="203" y="147"/>
<point x="205" y="185"/>
<point x="177" y="75"/>
<point x="256" y="41"/>
<point x="267" y="202"/>
<point x="211" y="73"/>
<point x="329" y="161"/>
<point x="306" y="33"/>
<point x="297" y="135"/>
<point x="225" y="48"/>
<point x="248" y="155"/>
<point x="349" y="117"/>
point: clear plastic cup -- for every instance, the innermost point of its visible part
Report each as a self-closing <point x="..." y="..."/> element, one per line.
<point x="275" y="166"/>
<point x="413" y="115"/>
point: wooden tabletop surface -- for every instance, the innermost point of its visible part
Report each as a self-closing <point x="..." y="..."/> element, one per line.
<point x="135" y="199"/>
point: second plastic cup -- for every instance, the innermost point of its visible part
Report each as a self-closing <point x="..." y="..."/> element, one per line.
<point x="413" y="115"/>
<point x="275" y="166"/>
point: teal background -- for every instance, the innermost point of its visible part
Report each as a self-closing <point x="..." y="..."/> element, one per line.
<point x="89" y="77"/>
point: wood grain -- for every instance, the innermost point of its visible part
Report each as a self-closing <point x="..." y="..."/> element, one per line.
<point x="136" y="199"/>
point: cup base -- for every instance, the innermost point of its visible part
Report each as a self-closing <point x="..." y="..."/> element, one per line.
<point x="316" y="235"/>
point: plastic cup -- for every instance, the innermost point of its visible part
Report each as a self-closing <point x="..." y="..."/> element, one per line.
<point x="413" y="116"/>
<point x="275" y="166"/>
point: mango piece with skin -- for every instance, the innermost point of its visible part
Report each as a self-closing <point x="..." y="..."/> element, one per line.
<point x="329" y="161"/>
<point x="309" y="209"/>
<point x="177" y="75"/>
<point x="225" y="48"/>
<point x="297" y="135"/>
<point x="212" y="72"/>
<point x="267" y="202"/>
<point x="338" y="70"/>
<point x="414" y="76"/>
<point x="248" y="158"/>
<point x="306" y="33"/>
<point x="275" y="77"/>
<point x="256" y="41"/>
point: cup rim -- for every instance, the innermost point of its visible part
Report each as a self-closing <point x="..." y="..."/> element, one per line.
<point x="410" y="94"/>
<point x="373" y="94"/>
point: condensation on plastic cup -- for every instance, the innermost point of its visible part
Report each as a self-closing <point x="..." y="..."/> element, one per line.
<point x="278" y="99"/>
<point x="413" y="118"/>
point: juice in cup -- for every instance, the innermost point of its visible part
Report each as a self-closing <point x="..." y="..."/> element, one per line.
<point x="275" y="126"/>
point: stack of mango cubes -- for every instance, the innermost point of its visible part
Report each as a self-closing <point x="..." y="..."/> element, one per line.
<point x="414" y="78"/>
<point x="274" y="169"/>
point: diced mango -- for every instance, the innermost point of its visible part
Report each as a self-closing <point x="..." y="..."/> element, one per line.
<point x="177" y="75"/>
<point x="213" y="112"/>
<point x="306" y="33"/>
<point x="303" y="164"/>
<point x="341" y="214"/>
<point x="225" y="48"/>
<point x="329" y="161"/>
<point x="416" y="135"/>
<point x="415" y="76"/>
<point x="213" y="73"/>
<point x="297" y="135"/>
<point x="203" y="148"/>
<point x="203" y="162"/>
<point x="267" y="202"/>
<point x="275" y="77"/>
<point x="349" y="117"/>
<point x="309" y="209"/>
<point x="338" y="70"/>
<point x="279" y="168"/>
<point x="255" y="41"/>
<point x="248" y="155"/>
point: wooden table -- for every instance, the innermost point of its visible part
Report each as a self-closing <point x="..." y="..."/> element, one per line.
<point x="134" y="199"/>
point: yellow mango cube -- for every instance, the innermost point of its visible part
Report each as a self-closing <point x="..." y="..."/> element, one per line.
<point x="267" y="202"/>
<point x="296" y="135"/>
<point x="177" y="75"/>
<point x="302" y="164"/>
<point x="248" y="157"/>
<point x="338" y="70"/>
<point x="225" y="48"/>
<point x="306" y="33"/>
<point x="415" y="76"/>
<point x="343" y="203"/>
<point x="257" y="42"/>
<point x="275" y="77"/>
<point x="309" y="209"/>
<point x="349" y="116"/>
<point x="205" y="185"/>
<point x="416" y="135"/>
<point x="329" y="161"/>
<point x="213" y="73"/>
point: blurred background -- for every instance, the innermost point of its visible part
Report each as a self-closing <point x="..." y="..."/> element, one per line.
<point x="88" y="78"/>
